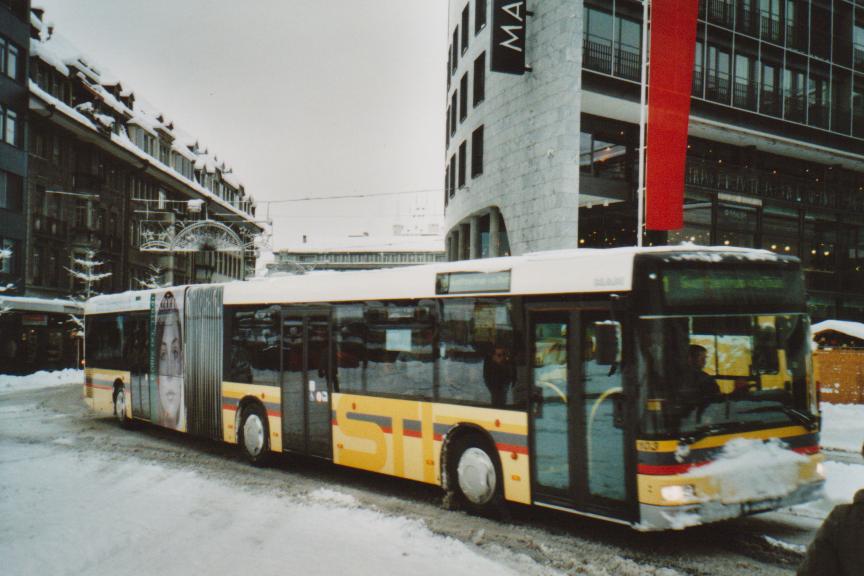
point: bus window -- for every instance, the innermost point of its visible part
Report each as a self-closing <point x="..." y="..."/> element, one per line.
<point x="105" y="341"/>
<point x="253" y="357"/>
<point x="399" y="357"/>
<point x="349" y="334"/>
<point x="476" y="361"/>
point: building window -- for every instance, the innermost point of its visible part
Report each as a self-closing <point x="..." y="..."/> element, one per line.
<point x="465" y="35"/>
<point x="858" y="39"/>
<point x="480" y="79"/>
<point x="769" y="97"/>
<point x="447" y="128"/>
<point x="10" y="60"/>
<point x="597" y="43"/>
<point x="628" y="49"/>
<point x="717" y="85"/>
<point x="11" y="191"/>
<point x="454" y="55"/>
<point x="446" y="186"/>
<point x="454" y="105"/>
<point x="463" y="159"/>
<point x="479" y="15"/>
<point x="477" y="152"/>
<point x="744" y="90"/>
<point x="463" y="99"/>
<point x="770" y="22"/>
<point x="793" y="88"/>
<point x="452" y="175"/>
<point x="698" y="71"/>
<point x="9" y="126"/>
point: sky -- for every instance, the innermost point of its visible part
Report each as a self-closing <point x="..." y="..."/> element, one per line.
<point x="303" y="98"/>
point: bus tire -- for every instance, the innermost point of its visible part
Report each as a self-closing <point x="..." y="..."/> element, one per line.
<point x="475" y="476"/>
<point x="120" y="406"/>
<point x="253" y="435"/>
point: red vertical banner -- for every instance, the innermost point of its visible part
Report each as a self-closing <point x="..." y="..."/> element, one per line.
<point x="670" y="77"/>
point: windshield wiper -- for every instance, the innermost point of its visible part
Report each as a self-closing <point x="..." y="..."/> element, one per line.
<point x="805" y="419"/>
<point x="704" y="431"/>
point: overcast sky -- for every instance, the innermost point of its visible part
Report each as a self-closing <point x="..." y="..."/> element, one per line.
<point x="303" y="98"/>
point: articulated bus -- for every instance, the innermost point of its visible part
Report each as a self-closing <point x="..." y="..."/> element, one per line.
<point x="606" y="383"/>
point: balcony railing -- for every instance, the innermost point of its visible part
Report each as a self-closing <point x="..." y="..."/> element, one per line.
<point x="771" y="27"/>
<point x="794" y="106"/>
<point x="817" y="115"/>
<point x="769" y="102"/>
<point x="717" y="87"/>
<point x="597" y="54"/>
<point x="858" y="54"/>
<point x="698" y="82"/>
<point x="628" y="63"/>
<point x="769" y="184"/>
<point x="744" y="94"/>
<point x="720" y="12"/>
<point x="748" y="22"/>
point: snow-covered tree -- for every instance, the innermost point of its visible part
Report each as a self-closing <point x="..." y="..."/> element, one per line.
<point x="86" y="271"/>
<point x="5" y="254"/>
<point x="155" y="278"/>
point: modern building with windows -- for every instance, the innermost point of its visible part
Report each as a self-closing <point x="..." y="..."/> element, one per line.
<point x="358" y="253"/>
<point x="549" y="158"/>
<point x="111" y="177"/>
<point x="14" y="44"/>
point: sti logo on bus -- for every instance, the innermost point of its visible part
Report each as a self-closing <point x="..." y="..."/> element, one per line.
<point x="508" y="36"/>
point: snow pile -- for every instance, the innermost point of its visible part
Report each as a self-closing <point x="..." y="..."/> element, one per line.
<point x="749" y="469"/>
<point x="842" y="427"/>
<point x="41" y="379"/>
<point x="843" y="481"/>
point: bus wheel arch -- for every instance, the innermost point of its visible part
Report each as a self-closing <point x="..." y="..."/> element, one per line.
<point x="479" y="489"/>
<point x="253" y="431"/>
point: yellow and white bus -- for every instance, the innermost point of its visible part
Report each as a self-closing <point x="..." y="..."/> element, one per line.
<point x="607" y="383"/>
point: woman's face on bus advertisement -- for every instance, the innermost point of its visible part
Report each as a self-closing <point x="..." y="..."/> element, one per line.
<point x="170" y="367"/>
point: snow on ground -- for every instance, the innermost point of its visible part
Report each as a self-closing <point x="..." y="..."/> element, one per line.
<point x="842" y="426"/>
<point x="96" y="516"/>
<point x="41" y="379"/>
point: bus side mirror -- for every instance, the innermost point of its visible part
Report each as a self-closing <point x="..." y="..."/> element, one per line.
<point x="607" y="338"/>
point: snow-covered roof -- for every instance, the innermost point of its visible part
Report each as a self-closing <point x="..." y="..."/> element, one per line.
<point x="63" y="56"/>
<point x="367" y="244"/>
<point x="854" y="329"/>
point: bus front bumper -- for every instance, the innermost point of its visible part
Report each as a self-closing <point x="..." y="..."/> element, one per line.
<point x="654" y="517"/>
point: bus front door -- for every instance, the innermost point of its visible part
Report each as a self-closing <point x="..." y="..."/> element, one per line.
<point x="306" y="385"/>
<point x="578" y="427"/>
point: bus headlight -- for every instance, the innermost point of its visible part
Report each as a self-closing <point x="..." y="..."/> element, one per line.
<point x="677" y="493"/>
<point x="820" y="470"/>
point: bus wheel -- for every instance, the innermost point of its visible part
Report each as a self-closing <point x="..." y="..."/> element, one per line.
<point x="476" y="476"/>
<point x="254" y="438"/>
<point x="120" y="406"/>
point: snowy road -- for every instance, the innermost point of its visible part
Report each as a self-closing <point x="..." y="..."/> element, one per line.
<point x="78" y="495"/>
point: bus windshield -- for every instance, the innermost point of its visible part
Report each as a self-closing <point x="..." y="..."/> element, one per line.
<point x="714" y="374"/>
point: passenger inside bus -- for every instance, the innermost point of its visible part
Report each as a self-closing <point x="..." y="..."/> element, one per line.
<point x="499" y="375"/>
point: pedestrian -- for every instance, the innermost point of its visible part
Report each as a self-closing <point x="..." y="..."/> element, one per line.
<point x="838" y="548"/>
